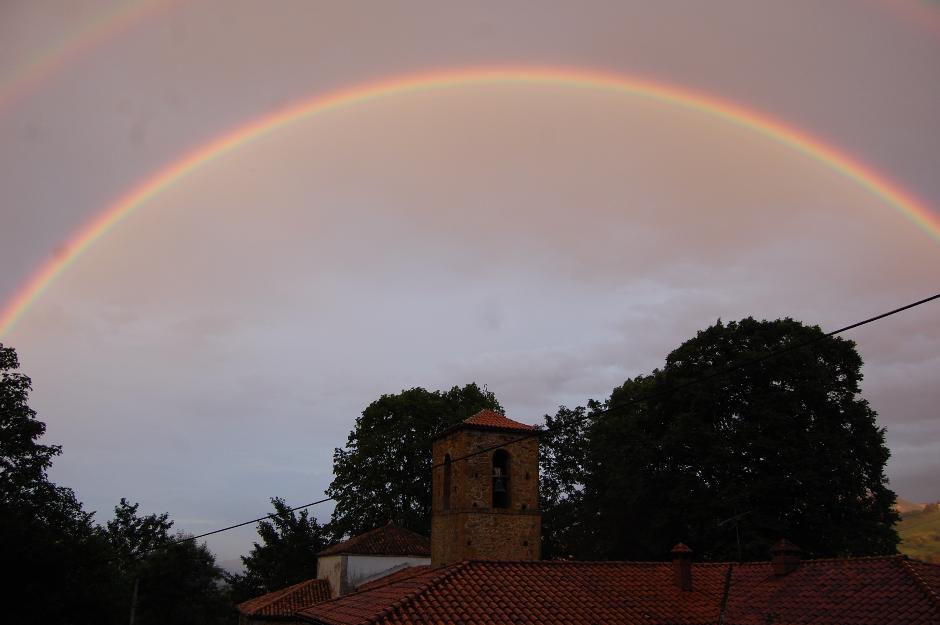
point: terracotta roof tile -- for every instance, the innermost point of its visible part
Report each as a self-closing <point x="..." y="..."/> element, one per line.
<point x="927" y="575"/>
<point x="388" y="540"/>
<point x="851" y="591"/>
<point x="492" y="419"/>
<point x="287" y="601"/>
<point x="858" y="591"/>
<point x="374" y="602"/>
<point x="533" y="593"/>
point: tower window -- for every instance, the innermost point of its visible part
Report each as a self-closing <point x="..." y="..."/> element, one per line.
<point x="500" y="479"/>
<point x="447" y="471"/>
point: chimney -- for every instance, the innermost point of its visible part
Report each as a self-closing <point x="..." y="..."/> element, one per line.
<point x="785" y="557"/>
<point x="682" y="566"/>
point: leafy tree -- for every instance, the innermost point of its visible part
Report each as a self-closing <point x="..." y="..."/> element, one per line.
<point x="132" y="539"/>
<point x="132" y="536"/>
<point x="562" y="471"/>
<point x="66" y="568"/>
<point x="59" y="558"/>
<point x="287" y="553"/>
<point x="180" y="583"/>
<point x="385" y="470"/>
<point x="784" y="447"/>
<point x="178" y="580"/>
<point x="23" y="460"/>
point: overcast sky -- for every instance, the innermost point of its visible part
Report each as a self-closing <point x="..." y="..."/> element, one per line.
<point x="547" y="241"/>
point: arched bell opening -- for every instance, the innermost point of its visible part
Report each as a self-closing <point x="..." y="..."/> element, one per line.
<point x="445" y="499"/>
<point x="500" y="479"/>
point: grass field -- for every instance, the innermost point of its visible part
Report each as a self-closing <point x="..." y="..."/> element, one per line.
<point x="920" y="533"/>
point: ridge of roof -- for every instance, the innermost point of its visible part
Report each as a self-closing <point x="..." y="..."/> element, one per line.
<point x="920" y="581"/>
<point x="842" y="559"/>
<point x="612" y="563"/>
<point x="492" y="419"/>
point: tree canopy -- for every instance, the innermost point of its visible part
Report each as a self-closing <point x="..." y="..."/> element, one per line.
<point x="287" y="554"/>
<point x="178" y="580"/>
<point x="784" y="447"/>
<point x="68" y="569"/>
<point x="385" y="470"/>
<point x="50" y="543"/>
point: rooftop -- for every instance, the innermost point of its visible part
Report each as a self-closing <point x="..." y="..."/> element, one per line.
<point x="491" y="419"/>
<point x="287" y="601"/>
<point x="388" y="540"/>
<point x="854" y="591"/>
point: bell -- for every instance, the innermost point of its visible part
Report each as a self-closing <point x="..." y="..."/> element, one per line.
<point x="499" y="485"/>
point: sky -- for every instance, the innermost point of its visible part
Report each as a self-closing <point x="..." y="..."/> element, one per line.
<point x="548" y="240"/>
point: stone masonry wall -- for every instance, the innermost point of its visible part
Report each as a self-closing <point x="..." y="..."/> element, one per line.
<point x="472" y="528"/>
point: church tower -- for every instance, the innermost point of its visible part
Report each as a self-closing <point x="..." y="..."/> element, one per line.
<point x="485" y="507"/>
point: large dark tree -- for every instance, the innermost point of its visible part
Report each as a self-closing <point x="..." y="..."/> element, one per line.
<point x="385" y="471"/>
<point x="286" y="555"/>
<point x="180" y="583"/>
<point x="562" y="472"/>
<point x="58" y="560"/>
<point x="177" y="580"/>
<point x="785" y="447"/>
<point x="67" y="569"/>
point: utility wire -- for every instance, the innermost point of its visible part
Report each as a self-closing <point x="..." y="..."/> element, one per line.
<point x="525" y="434"/>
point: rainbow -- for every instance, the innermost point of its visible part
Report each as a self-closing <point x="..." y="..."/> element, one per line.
<point x="100" y="28"/>
<point x="671" y="95"/>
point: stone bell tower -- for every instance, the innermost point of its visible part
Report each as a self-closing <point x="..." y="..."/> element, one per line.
<point x="485" y="507"/>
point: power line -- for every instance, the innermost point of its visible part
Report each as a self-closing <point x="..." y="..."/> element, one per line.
<point x="594" y="415"/>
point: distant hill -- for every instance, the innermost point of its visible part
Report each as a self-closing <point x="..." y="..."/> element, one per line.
<point x="903" y="506"/>
<point x="919" y="529"/>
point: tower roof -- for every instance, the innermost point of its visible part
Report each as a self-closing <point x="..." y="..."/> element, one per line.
<point x="491" y="419"/>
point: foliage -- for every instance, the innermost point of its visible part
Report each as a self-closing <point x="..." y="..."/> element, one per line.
<point x="178" y="580"/>
<point x="23" y="461"/>
<point x="562" y="458"/>
<point x="180" y="583"/>
<point x="52" y="545"/>
<point x="385" y="470"/>
<point x="134" y="537"/>
<point x="784" y="447"/>
<point x="287" y="553"/>
<point x="67" y="569"/>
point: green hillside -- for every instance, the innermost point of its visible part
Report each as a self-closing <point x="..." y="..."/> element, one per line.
<point x="920" y="533"/>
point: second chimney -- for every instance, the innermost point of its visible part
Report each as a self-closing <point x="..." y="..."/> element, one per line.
<point x="682" y="566"/>
<point x="785" y="557"/>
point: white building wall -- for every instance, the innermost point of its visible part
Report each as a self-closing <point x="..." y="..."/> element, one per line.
<point x="330" y="568"/>
<point x="361" y="569"/>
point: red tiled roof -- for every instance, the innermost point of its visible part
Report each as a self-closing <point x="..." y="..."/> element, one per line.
<point x="374" y="603"/>
<point x="859" y="591"/>
<point x="388" y="540"/>
<point x="492" y="419"/>
<point x="928" y="575"/>
<point x="850" y="591"/>
<point x="287" y="601"/>
<point x="533" y="593"/>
